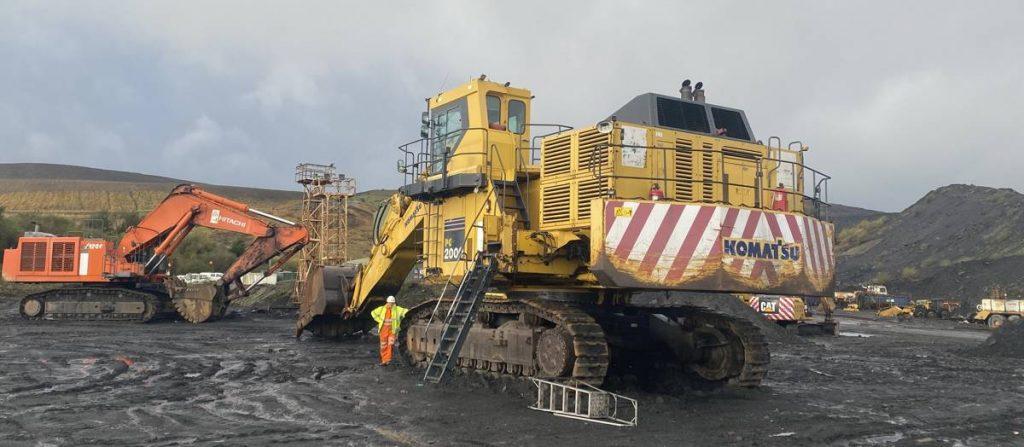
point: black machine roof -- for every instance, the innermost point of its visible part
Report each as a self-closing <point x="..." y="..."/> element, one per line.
<point x="665" y="111"/>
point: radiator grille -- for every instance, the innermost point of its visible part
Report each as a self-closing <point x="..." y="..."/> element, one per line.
<point x="556" y="203"/>
<point x="588" y="189"/>
<point x="707" y="168"/>
<point x="557" y="155"/>
<point x="593" y="154"/>
<point x="62" y="258"/>
<point x="684" y="170"/>
<point x="33" y="256"/>
<point x="741" y="153"/>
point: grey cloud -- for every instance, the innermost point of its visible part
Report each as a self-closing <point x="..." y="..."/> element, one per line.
<point x="894" y="99"/>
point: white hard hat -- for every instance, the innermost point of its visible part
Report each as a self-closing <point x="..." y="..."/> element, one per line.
<point x="391" y="299"/>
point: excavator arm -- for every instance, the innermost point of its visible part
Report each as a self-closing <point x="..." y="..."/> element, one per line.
<point x="188" y="206"/>
<point x="335" y="298"/>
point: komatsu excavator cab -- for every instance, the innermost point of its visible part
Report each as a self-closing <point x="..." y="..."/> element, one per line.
<point x="472" y="132"/>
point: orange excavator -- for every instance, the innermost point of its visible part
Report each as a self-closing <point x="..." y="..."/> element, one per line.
<point x="129" y="281"/>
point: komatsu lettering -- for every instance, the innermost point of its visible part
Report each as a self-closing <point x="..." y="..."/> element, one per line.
<point x="760" y="249"/>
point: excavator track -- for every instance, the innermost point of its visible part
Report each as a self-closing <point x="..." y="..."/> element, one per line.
<point x="749" y="349"/>
<point x="566" y="341"/>
<point x="754" y="349"/>
<point x="577" y="343"/>
<point x="94" y="304"/>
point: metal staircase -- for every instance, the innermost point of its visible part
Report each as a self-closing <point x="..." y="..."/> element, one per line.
<point x="511" y="199"/>
<point x="460" y="316"/>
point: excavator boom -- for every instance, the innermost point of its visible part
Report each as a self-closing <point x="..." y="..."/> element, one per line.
<point x="188" y="206"/>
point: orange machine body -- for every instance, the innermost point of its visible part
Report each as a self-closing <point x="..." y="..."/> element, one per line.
<point x="139" y="256"/>
<point x="50" y="259"/>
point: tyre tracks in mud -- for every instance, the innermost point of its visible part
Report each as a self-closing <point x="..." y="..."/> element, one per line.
<point x="242" y="382"/>
<point x="247" y="381"/>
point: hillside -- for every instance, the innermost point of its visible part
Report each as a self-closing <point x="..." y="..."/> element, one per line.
<point x="79" y="193"/>
<point x="848" y="216"/>
<point x="954" y="242"/>
<point x="33" y="171"/>
<point x="74" y="191"/>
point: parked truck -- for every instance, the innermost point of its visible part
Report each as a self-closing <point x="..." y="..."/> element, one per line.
<point x="996" y="312"/>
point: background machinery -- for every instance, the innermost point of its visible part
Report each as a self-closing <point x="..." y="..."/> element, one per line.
<point x="128" y="281"/>
<point x="794" y="311"/>
<point x="935" y="308"/>
<point x="605" y="249"/>
<point x="998" y="308"/>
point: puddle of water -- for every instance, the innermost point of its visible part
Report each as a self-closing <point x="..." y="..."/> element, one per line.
<point x="854" y="334"/>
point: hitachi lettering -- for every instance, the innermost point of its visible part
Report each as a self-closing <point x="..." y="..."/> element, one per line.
<point x="777" y="250"/>
<point x="232" y="221"/>
<point x="216" y="217"/>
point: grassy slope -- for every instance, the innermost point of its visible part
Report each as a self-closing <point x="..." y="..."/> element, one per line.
<point x="77" y="192"/>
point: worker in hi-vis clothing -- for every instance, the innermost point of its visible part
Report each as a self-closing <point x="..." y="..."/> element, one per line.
<point x="389" y="319"/>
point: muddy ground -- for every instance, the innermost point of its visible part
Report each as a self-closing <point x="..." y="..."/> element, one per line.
<point x="247" y="381"/>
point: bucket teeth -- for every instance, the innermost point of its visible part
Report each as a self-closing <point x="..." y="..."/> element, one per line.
<point x="198" y="303"/>
<point x="200" y="310"/>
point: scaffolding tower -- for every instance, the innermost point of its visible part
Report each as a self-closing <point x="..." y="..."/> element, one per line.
<point x="325" y="216"/>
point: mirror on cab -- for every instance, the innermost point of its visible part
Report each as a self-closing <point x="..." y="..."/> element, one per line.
<point x="425" y="125"/>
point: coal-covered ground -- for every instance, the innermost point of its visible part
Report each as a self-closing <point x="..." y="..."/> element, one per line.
<point x="246" y="380"/>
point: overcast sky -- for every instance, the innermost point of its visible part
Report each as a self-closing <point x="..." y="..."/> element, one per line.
<point x="893" y="100"/>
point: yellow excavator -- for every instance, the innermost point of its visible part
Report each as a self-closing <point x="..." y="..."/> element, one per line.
<point x="574" y="254"/>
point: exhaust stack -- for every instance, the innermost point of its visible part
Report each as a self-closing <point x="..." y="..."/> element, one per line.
<point x="698" y="92"/>
<point x="686" y="91"/>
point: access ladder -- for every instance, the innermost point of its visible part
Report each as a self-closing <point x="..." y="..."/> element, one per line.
<point x="511" y="199"/>
<point x="460" y="316"/>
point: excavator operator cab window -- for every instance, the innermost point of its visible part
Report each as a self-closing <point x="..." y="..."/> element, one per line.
<point x="448" y="124"/>
<point x="516" y="116"/>
<point x="494" y="113"/>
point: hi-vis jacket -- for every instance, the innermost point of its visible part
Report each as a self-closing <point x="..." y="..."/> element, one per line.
<point x="397" y="314"/>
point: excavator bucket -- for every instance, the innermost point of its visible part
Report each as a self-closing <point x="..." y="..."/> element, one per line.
<point x="323" y="299"/>
<point x="197" y="303"/>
